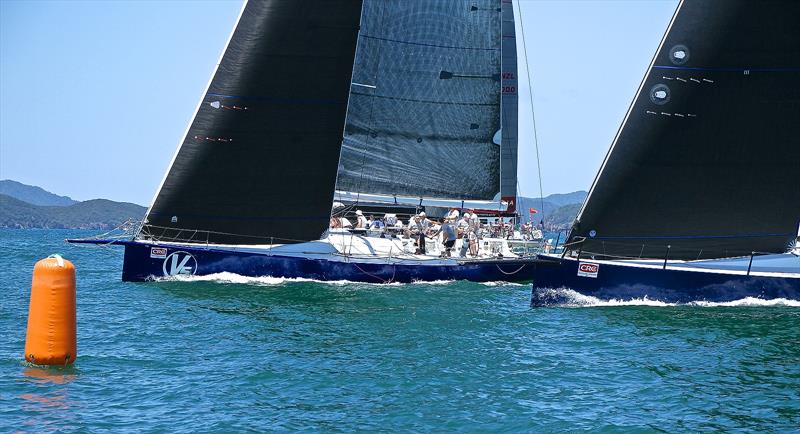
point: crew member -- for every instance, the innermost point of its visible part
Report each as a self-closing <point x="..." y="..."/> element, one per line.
<point x="419" y="226"/>
<point x="361" y="222"/>
<point x="448" y="231"/>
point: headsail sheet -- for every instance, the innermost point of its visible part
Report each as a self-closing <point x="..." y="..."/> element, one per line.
<point x="424" y="111"/>
<point x="707" y="161"/>
<point x="259" y="158"/>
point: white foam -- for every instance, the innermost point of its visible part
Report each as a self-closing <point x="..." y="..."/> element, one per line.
<point x="501" y="283"/>
<point x="569" y="298"/>
<point x="575" y="299"/>
<point x="432" y="282"/>
<point x="227" y="277"/>
<point x="750" y="301"/>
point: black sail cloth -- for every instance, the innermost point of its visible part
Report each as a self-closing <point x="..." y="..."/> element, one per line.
<point x="707" y="161"/>
<point x="424" y="108"/>
<point x="259" y="159"/>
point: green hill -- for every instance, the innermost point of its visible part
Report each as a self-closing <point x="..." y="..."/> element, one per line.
<point x="32" y="194"/>
<point x="558" y="210"/>
<point x="91" y="214"/>
<point x="562" y="217"/>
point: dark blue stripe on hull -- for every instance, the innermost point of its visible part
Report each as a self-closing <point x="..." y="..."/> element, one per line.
<point x="141" y="263"/>
<point x="674" y="286"/>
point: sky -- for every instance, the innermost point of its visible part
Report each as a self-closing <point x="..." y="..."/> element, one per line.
<point x="96" y="95"/>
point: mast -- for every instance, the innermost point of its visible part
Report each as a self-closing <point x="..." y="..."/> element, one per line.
<point x="508" y="107"/>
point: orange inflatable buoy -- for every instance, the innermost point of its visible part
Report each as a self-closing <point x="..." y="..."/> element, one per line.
<point x="52" y="329"/>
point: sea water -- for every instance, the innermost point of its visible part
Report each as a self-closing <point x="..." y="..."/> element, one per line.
<point x="233" y="354"/>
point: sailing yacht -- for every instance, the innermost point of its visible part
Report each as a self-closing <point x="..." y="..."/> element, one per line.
<point x="699" y="195"/>
<point x="401" y="103"/>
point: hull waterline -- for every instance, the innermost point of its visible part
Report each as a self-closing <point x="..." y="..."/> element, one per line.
<point x="777" y="276"/>
<point x="146" y="261"/>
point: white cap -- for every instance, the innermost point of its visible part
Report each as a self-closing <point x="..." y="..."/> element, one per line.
<point x="422" y="214"/>
<point x="358" y="212"/>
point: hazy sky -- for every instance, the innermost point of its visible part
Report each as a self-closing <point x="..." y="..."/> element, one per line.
<point x="95" y="96"/>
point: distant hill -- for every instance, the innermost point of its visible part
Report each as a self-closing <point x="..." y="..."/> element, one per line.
<point x="91" y="214"/>
<point x="561" y="199"/>
<point x="562" y="217"/>
<point x="27" y="206"/>
<point x="33" y="195"/>
<point x="559" y="209"/>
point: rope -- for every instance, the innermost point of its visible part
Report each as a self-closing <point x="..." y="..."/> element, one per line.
<point x="394" y="271"/>
<point x="533" y="116"/>
<point x="513" y="272"/>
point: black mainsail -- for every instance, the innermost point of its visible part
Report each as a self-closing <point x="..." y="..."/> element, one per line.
<point x="424" y="112"/>
<point x="259" y="160"/>
<point x="707" y="161"/>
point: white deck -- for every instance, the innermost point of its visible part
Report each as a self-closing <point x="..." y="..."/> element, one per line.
<point x="342" y="245"/>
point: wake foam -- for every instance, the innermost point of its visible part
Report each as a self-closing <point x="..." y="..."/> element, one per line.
<point x="566" y="297"/>
<point x="504" y="284"/>
<point x="233" y="278"/>
<point x="750" y="301"/>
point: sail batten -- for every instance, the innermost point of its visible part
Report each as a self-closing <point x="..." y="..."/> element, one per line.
<point x="705" y="164"/>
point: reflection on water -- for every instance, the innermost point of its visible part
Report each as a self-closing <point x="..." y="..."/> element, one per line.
<point x="47" y="400"/>
<point x="52" y="375"/>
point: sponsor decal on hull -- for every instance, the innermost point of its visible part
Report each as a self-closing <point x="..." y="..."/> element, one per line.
<point x="179" y="263"/>
<point x="588" y="269"/>
<point x="158" y="252"/>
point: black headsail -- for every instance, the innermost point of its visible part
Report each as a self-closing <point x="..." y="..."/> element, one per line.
<point x="424" y="109"/>
<point x="259" y="158"/>
<point x="707" y="161"/>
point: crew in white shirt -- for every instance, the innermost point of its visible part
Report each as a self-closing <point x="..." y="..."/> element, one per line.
<point x="361" y="223"/>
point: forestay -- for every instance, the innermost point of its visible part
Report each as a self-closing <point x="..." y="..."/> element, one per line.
<point x="706" y="163"/>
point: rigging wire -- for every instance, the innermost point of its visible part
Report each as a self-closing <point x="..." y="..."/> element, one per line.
<point x="533" y="115"/>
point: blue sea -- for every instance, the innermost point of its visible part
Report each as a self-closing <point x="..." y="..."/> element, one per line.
<point x="233" y="354"/>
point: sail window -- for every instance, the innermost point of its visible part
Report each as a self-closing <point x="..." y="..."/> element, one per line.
<point x="679" y="54"/>
<point x="659" y="94"/>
